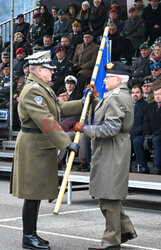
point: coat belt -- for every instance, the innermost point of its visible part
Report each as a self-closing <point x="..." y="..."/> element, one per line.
<point x="31" y="130"/>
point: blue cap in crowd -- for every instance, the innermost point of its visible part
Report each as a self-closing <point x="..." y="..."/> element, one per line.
<point x="156" y="66"/>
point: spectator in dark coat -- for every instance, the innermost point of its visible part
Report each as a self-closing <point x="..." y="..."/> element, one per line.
<point x="152" y="127"/>
<point x="122" y="12"/>
<point x="83" y="15"/>
<point x="47" y="41"/>
<point x="114" y="18"/>
<point x="70" y="84"/>
<point x="76" y="36"/>
<point x="119" y="45"/>
<point x="134" y="29"/>
<point x="54" y="18"/>
<point x="136" y="133"/>
<point x="71" y="12"/>
<point x="63" y="68"/>
<point x="19" y="62"/>
<point x="97" y="18"/>
<point x="21" y="26"/>
<point x="152" y="17"/>
<point x="46" y="18"/>
<point x="36" y="31"/>
<point x="65" y="43"/>
<point x="62" y="27"/>
<point x="19" y="42"/>
<point x="141" y="66"/>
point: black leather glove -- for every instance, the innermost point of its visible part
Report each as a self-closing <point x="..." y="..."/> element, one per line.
<point x="74" y="147"/>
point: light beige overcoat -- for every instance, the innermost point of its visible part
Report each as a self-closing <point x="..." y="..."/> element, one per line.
<point x="110" y="163"/>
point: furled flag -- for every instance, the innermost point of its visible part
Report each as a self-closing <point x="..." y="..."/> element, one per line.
<point x="106" y="57"/>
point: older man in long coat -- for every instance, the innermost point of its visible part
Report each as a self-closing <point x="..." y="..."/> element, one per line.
<point x="110" y="163"/>
<point x="84" y="60"/>
<point x="35" y="175"/>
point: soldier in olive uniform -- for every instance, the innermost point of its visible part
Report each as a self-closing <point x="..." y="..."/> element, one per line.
<point x="22" y="80"/>
<point x="20" y="84"/>
<point x="5" y="86"/>
<point x="110" y="163"/>
<point x="5" y="59"/>
<point x="155" y="69"/>
<point x="36" y="31"/>
<point x="35" y="175"/>
<point x="141" y="66"/>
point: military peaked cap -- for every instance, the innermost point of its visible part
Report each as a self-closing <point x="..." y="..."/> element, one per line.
<point x="42" y="58"/>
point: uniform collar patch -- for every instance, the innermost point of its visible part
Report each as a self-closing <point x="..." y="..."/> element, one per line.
<point x="38" y="100"/>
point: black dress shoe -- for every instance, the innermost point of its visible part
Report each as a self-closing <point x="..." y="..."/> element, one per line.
<point x="31" y="241"/>
<point x="128" y="236"/>
<point x="104" y="246"/>
<point x="46" y="242"/>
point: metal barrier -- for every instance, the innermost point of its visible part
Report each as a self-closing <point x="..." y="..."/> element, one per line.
<point x="5" y="27"/>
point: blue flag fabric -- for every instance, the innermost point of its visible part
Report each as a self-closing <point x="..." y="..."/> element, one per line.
<point x="106" y="58"/>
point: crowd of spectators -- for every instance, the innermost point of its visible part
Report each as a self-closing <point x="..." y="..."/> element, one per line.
<point x="73" y="36"/>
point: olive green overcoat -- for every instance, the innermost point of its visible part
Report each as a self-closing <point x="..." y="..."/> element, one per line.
<point x="35" y="174"/>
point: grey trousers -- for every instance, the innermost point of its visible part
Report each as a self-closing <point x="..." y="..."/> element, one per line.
<point x="117" y="222"/>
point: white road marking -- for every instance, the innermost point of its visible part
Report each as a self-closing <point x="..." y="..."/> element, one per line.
<point x="79" y="238"/>
<point x="76" y="211"/>
<point x="44" y="215"/>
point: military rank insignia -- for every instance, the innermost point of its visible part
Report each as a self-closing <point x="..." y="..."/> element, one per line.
<point x="38" y="100"/>
<point x="109" y="65"/>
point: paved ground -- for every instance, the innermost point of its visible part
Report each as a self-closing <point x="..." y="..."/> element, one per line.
<point x="80" y="225"/>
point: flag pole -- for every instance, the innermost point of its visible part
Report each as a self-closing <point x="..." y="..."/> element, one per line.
<point x="99" y="56"/>
<point x="82" y="119"/>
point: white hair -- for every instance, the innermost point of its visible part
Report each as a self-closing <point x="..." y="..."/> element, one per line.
<point x="125" y="78"/>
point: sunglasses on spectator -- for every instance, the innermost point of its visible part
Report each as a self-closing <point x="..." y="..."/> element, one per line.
<point x="155" y="69"/>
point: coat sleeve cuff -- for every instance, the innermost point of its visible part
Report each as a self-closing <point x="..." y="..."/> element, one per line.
<point x="89" y="131"/>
